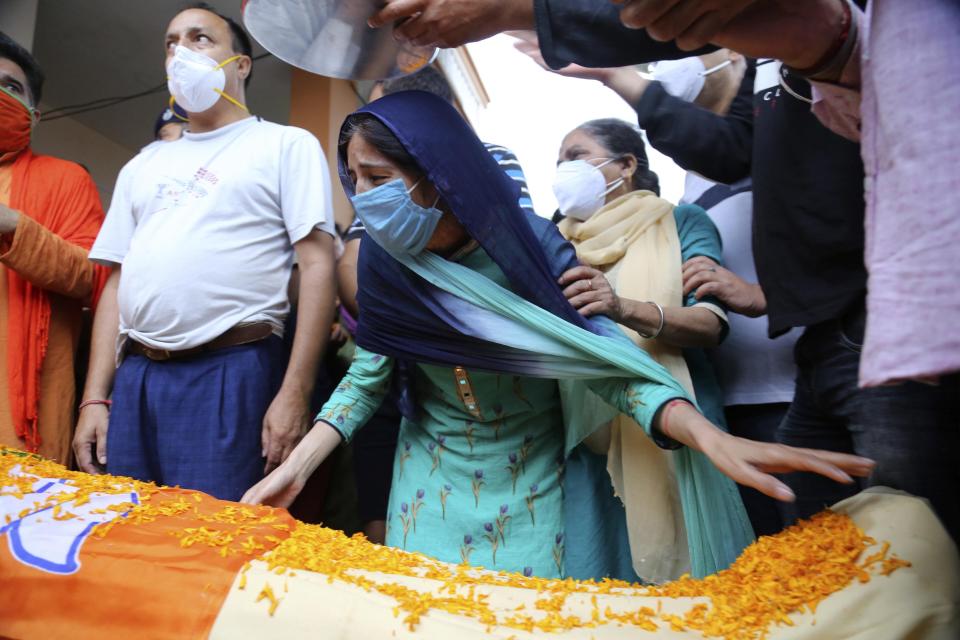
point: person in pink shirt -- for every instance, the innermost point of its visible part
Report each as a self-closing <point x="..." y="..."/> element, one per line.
<point x="885" y="77"/>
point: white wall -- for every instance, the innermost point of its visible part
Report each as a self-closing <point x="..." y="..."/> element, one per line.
<point x="68" y="139"/>
<point x="18" y="20"/>
<point x="531" y="110"/>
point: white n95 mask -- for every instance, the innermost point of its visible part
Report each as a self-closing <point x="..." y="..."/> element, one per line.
<point x="684" y="78"/>
<point x="681" y="78"/>
<point x="581" y="189"/>
<point x="196" y="81"/>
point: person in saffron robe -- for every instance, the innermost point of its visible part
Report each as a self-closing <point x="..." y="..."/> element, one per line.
<point x="498" y="377"/>
<point x="49" y="216"/>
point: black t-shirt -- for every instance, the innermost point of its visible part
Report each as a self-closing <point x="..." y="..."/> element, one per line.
<point x="808" y="219"/>
<point x="807" y="181"/>
<point x="808" y="202"/>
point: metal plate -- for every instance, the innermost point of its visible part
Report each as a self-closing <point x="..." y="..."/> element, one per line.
<point x="331" y="38"/>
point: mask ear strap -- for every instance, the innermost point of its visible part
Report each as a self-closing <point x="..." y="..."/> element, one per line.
<point x="706" y="72"/>
<point x="619" y="181"/>
<point x="609" y="160"/>
<point x="227" y="61"/>
<point x="174" y="111"/>
<point x="227" y="96"/>
<point x="415" y="185"/>
<point x="614" y="186"/>
<point x="223" y="94"/>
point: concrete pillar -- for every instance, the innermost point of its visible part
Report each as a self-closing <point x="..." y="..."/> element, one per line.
<point x="18" y="19"/>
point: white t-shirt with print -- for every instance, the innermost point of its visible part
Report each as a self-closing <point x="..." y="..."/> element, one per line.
<point x="204" y="229"/>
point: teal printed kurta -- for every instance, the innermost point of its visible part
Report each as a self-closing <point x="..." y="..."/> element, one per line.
<point x="478" y="477"/>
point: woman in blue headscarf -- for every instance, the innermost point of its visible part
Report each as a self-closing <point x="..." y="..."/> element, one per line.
<point x="499" y="378"/>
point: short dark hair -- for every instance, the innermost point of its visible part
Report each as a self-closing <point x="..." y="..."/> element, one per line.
<point x="380" y="137"/>
<point x="239" y="39"/>
<point x="428" y="79"/>
<point x="621" y="138"/>
<point x="16" y="54"/>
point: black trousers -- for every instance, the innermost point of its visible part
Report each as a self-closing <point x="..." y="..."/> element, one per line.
<point x="912" y="430"/>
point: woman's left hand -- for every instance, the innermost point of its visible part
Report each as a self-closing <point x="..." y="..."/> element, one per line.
<point x="751" y="463"/>
<point x="590" y="293"/>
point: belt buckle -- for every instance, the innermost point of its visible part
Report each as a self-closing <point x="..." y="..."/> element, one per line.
<point x="156" y="354"/>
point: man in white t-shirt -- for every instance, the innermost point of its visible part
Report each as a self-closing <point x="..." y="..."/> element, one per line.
<point x="201" y="236"/>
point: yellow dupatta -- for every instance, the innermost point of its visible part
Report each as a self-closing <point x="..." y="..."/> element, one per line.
<point x="634" y="241"/>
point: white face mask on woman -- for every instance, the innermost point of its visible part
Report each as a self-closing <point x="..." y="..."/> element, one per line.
<point x="581" y="188"/>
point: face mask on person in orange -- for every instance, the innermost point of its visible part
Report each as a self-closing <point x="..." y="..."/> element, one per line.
<point x="17" y="119"/>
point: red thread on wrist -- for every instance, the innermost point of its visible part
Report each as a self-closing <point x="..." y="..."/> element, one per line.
<point x="665" y="412"/>
<point x="87" y="403"/>
<point x="835" y="48"/>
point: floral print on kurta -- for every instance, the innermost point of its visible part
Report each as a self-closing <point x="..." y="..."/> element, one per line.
<point x="481" y="489"/>
<point x="461" y="483"/>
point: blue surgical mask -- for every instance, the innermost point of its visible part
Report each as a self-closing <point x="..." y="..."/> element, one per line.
<point x="394" y="220"/>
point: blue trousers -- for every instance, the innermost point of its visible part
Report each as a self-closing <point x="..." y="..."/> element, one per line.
<point x="196" y="422"/>
<point x="912" y="430"/>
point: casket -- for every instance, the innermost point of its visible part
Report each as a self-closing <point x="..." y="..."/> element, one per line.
<point x="86" y="556"/>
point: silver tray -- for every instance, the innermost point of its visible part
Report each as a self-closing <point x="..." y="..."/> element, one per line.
<point x="331" y="38"/>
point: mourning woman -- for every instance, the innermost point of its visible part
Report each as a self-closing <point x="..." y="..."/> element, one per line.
<point x="499" y="377"/>
<point x="631" y="244"/>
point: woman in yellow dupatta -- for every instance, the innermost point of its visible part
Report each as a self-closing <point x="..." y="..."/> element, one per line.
<point x="632" y="244"/>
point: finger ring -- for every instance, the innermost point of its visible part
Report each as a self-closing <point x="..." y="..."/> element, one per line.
<point x="713" y="269"/>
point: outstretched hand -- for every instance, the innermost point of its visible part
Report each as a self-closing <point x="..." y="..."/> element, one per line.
<point x="279" y="489"/>
<point x="451" y="23"/>
<point x="528" y="44"/>
<point x="691" y="24"/>
<point x="751" y="463"/>
<point x="796" y="33"/>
